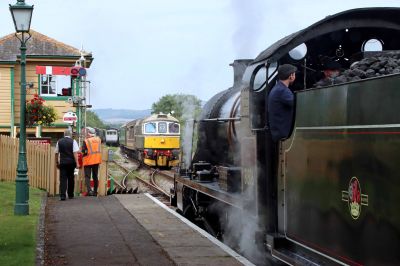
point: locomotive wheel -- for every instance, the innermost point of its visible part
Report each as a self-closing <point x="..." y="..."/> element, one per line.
<point x="188" y="212"/>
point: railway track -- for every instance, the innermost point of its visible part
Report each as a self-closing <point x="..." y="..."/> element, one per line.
<point x="158" y="181"/>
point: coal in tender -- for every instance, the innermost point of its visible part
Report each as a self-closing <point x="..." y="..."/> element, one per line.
<point x="375" y="64"/>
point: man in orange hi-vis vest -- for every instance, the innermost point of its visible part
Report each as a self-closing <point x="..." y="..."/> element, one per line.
<point x="91" y="150"/>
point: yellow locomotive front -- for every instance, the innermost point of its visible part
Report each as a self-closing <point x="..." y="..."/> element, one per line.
<point x="161" y="144"/>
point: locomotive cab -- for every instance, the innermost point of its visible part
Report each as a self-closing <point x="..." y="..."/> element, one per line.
<point x="316" y="197"/>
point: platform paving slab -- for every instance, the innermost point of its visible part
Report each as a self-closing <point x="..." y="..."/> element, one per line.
<point x="98" y="231"/>
<point x="184" y="245"/>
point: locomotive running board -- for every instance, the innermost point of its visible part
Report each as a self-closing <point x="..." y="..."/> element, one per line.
<point x="292" y="254"/>
<point x="291" y="258"/>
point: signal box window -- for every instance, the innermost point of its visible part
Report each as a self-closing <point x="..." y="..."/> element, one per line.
<point x="55" y="85"/>
<point x="150" y="128"/>
<point x="162" y="127"/>
<point x="47" y="85"/>
<point x="173" y="128"/>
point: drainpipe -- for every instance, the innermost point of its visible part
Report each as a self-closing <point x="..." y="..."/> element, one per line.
<point x="12" y="123"/>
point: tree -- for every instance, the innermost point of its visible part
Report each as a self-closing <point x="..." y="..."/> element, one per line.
<point x="181" y="106"/>
<point x="92" y="120"/>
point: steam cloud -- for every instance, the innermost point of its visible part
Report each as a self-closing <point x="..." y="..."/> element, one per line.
<point x="248" y="17"/>
<point x="187" y="138"/>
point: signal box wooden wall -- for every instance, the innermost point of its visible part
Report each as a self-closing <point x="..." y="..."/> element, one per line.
<point x="41" y="51"/>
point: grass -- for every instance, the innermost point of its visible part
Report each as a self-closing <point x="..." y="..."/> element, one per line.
<point x="18" y="233"/>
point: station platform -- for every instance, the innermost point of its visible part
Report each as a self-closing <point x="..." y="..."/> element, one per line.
<point x="127" y="230"/>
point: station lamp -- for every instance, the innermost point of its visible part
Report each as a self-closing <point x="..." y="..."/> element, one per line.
<point x="22" y="15"/>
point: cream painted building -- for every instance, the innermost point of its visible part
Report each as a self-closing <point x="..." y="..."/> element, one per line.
<point x="42" y="51"/>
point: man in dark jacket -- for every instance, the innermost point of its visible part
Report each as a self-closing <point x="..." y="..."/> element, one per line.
<point x="281" y="102"/>
<point x="66" y="160"/>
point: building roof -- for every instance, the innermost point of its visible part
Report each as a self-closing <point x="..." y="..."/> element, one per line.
<point x="38" y="45"/>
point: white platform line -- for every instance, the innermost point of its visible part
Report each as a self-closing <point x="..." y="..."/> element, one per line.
<point x="224" y="247"/>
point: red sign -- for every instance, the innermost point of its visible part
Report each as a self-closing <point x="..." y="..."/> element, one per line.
<point x="59" y="70"/>
<point x="53" y="70"/>
<point x="70" y="117"/>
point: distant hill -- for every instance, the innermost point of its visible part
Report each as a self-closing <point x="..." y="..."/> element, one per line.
<point x="120" y="115"/>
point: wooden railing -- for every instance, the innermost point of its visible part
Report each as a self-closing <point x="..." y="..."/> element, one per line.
<point x="41" y="163"/>
<point x="42" y="171"/>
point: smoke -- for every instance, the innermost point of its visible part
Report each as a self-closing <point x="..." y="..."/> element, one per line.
<point x="244" y="228"/>
<point x="241" y="228"/>
<point x="248" y="17"/>
<point x="188" y="116"/>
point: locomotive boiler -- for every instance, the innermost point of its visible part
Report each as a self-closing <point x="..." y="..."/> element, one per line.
<point x="331" y="197"/>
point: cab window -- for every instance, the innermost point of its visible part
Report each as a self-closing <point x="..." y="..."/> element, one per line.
<point x="162" y="127"/>
<point x="173" y="128"/>
<point x="150" y="128"/>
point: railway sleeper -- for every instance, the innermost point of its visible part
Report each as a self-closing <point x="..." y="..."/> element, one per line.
<point x="123" y="191"/>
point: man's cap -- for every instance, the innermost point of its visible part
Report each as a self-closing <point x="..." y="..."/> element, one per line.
<point x="91" y="130"/>
<point x="285" y="70"/>
<point x="332" y="65"/>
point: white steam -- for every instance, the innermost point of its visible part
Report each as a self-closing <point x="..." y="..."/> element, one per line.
<point x="188" y="115"/>
<point x="249" y="17"/>
<point x="241" y="231"/>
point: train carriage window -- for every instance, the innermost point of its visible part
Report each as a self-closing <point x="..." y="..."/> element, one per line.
<point x="150" y="127"/>
<point x="130" y="133"/>
<point x="173" y="128"/>
<point x="162" y="127"/>
<point x="137" y="130"/>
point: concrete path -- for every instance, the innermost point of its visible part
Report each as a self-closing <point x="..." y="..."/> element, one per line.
<point x="125" y="230"/>
<point x="184" y="245"/>
<point x="97" y="231"/>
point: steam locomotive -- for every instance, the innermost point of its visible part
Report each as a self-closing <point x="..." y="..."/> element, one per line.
<point x="331" y="197"/>
<point x="153" y="140"/>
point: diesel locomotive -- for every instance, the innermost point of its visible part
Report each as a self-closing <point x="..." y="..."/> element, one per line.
<point x="111" y="137"/>
<point x="331" y="197"/>
<point x="153" y="140"/>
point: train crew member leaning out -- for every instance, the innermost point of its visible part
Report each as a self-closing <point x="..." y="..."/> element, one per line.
<point x="91" y="151"/>
<point x="281" y="102"/>
<point x="331" y="72"/>
<point x="66" y="160"/>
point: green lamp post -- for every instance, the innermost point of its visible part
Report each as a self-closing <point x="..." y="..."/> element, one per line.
<point x="22" y="15"/>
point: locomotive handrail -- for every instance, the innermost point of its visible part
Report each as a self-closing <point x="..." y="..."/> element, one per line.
<point x="221" y="119"/>
<point x="260" y="129"/>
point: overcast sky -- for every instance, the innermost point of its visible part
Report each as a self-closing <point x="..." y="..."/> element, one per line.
<point x="146" y="49"/>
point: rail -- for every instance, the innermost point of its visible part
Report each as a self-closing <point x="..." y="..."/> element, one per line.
<point x="152" y="183"/>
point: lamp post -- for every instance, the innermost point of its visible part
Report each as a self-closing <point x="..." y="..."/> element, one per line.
<point x="22" y="15"/>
